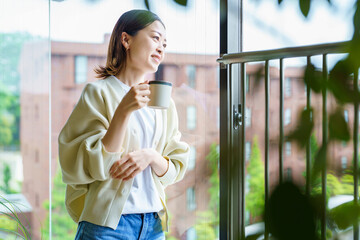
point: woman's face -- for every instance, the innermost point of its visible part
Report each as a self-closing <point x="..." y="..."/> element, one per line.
<point x="146" y="48"/>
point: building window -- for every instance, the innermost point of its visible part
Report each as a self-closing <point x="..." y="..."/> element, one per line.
<point x="191" y="117"/>
<point x="247" y="83"/>
<point x="288" y="148"/>
<point x="287" y="87"/>
<point x="248" y="117"/>
<point x="346" y="115"/>
<point x="191" y="234"/>
<point x="159" y="75"/>
<point x="344" y="163"/>
<point x="191" y="75"/>
<point x="287" y="119"/>
<point x="288" y="175"/>
<point x="247" y="151"/>
<point x="192" y="158"/>
<point x="190" y="199"/>
<point x="81" y="69"/>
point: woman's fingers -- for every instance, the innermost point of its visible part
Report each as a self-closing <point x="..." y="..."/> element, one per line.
<point x="129" y="166"/>
<point x="121" y="169"/>
<point x="132" y="174"/>
<point x="126" y="173"/>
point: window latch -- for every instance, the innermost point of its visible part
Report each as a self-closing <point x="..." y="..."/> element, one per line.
<point x="237" y="118"/>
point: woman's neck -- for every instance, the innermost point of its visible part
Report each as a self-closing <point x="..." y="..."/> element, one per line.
<point x="131" y="77"/>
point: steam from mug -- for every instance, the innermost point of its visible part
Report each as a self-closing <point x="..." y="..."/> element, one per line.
<point x="160" y="94"/>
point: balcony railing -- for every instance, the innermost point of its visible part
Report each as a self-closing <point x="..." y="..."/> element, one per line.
<point x="236" y="117"/>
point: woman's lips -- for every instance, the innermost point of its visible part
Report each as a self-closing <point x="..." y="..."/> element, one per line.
<point x="156" y="58"/>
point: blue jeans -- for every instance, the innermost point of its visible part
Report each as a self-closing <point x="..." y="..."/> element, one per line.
<point x="131" y="227"/>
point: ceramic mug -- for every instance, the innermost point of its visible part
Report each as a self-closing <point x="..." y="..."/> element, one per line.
<point x="160" y="94"/>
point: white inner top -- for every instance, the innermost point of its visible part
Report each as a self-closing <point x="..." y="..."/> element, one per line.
<point x="143" y="196"/>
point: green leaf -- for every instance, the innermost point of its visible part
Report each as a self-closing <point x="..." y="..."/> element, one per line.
<point x="313" y="78"/>
<point x="280" y="1"/>
<point x="256" y="235"/>
<point x="356" y="18"/>
<point x="320" y="161"/>
<point x="181" y="2"/>
<point x="354" y="51"/>
<point x="340" y="82"/>
<point x="147" y="4"/>
<point x="302" y="132"/>
<point x="345" y="215"/>
<point x="305" y="7"/>
<point x="338" y="127"/>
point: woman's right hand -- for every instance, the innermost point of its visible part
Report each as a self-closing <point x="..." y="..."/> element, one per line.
<point x="136" y="98"/>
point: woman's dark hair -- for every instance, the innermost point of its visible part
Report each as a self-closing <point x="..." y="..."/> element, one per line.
<point x="130" y="22"/>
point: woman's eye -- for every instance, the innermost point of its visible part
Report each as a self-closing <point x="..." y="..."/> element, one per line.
<point x="157" y="38"/>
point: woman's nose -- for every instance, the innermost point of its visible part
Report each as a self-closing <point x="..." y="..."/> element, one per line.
<point x="159" y="50"/>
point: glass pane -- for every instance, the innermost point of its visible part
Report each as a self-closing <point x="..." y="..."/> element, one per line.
<point x="280" y="26"/>
<point x="339" y="177"/>
<point x="24" y="116"/>
<point x="284" y="26"/>
<point x="190" y="64"/>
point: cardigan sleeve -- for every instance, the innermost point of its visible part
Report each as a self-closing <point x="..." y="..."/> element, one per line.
<point x="83" y="158"/>
<point x="176" y="150"/>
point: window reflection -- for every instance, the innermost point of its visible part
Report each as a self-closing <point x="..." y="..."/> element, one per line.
<point x="24" y="117"/>
<point x="26" y="81"/>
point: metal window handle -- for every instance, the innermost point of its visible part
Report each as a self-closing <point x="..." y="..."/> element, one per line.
<point x="237" y="118"/>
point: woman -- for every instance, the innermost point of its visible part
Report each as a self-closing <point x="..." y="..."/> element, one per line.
<point x="117" y="155"/>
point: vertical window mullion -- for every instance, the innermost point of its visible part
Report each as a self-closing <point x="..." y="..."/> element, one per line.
<point x="267" y="101"/>
<point x="324" y="142"/>
<point x="281" y="140"/>
<point x="308" y="145"/>
<point x="356" y="151"/>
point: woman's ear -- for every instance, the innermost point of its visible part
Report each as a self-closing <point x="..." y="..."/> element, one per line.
<point x="125" y="40"/>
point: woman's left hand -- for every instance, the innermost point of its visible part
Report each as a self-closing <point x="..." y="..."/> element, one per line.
<point x="133" y="163"/>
